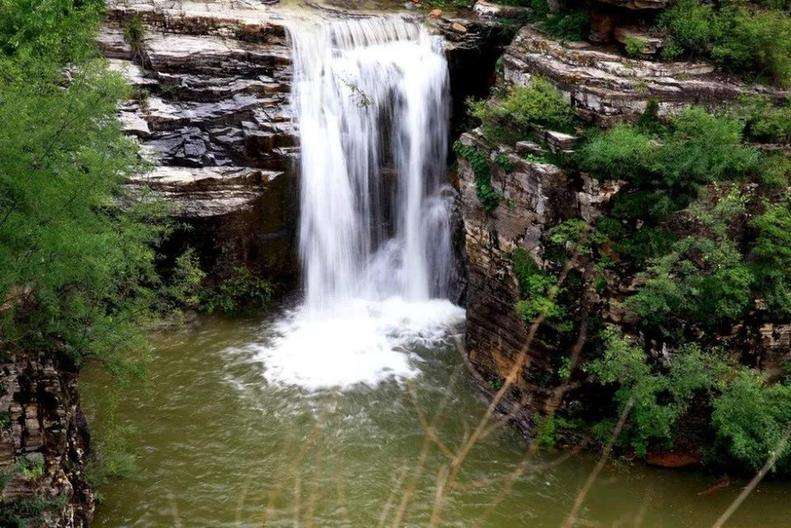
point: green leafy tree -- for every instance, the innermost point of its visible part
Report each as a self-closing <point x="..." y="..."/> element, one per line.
<point x="77" y="247"/>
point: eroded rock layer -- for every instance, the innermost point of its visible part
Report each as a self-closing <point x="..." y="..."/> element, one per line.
<point x="211" y="112"/>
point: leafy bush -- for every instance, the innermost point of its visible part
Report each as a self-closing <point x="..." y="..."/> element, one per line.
<point x="567" y="25"/>
<point x="538" y="290"/>
<point x="703" y="279"/>
<point x="511" y="118"/>
<point x="738" y="37"/>
<point x="634" y="46"/>
<point x="621" y="152"/>
<point x="703" y="147"/>
<point x="772" y="256"/>
<point x="239" y="291"/>
<point x="77" y="269"/>
<point x="692" y="27"/>
<point x="764" y="121"/>
<point x="756" y="40"/>
<point x="750" y="417"/>
<point x="659" y="398"/>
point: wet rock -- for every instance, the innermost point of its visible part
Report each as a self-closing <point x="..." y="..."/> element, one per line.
<point x="534" y="196"/>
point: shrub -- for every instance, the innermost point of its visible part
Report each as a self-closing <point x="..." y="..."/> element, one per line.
<point x="758" y="41"/>
<point x="772" y="257"/>
<point x="750" y="417"/>
<point x="538" y="290"/>
<point x="659" y="398"/>
<point x="622" y="152"/>
<point x="567" y="25"/>
<point x="764" y="121"/>
<point x="511" y="118"/>
<point x="240" y="290"/>
<point x="738" y="37"/>
<point x="634" y="46"/>
<point x="692" y="27"/>
<point x="134" y="36"/>
<point x="704" y="147"/>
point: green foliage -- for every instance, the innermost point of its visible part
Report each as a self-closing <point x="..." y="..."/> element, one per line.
<point x="696" y="148"/>
<point x="772" y="256"/>
<point x="31" y="469"/>
<point x="738" y="36"/>
<point x="751" y="416"/>
<point x="756" y="40"/>
<point x="487" y="195"/>
<point x="659" y="398"/>
<point x="511" y="118"/>
<point x="621" y="152"/>
<point x="239" y="291"/>
<point x="27" y="512"/>
<point x="692" y="26"/>
<point x="538" y="290"/>
<point x="43" y="35"/>
<point x="764" y="121"/>
<point x="185" y="287"/>
<point x="702" y="278"/>
<point x="634" y="46"/>
<point x="571" y="24"/>
<point x="703" y="147"/>
<point x="134" y="35"/>
<point x="546" y="432"/>
<point x="76" y="246"/>
<point x="112" y="456"/>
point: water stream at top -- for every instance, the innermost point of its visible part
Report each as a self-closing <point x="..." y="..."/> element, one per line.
<point x="370" y="97"/>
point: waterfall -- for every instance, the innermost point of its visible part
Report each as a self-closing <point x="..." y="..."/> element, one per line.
<point x="370" y="97"/>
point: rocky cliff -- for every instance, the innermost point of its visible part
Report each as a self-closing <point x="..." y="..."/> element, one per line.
<point x="210" y="109"/>
<point x="44" y="443"/>
<point x="536" y="192"/>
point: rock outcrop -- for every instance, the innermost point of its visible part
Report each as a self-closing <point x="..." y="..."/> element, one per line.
<point x="605" y="87"/>
<point x="211" y="112"/>
<point x="43" y="443"/>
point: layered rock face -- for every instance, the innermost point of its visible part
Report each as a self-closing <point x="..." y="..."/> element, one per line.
<point x="211" y="112"/>
<point x="43" y="442"/>
<point x="604" y="87"/>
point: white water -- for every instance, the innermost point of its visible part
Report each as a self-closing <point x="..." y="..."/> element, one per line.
<point x="370" y="97"/>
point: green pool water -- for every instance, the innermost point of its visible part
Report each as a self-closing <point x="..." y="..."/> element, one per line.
<point x="217" y="445"/>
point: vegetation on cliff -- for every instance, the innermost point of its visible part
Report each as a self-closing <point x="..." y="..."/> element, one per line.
<point x="694" y="245"/>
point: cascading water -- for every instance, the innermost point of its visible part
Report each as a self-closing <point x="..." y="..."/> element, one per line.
<point x="370" y="97"/>
<point x="371" y="101"/>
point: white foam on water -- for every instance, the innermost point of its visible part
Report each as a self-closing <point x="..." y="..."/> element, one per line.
<point x="360" y="342"/>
